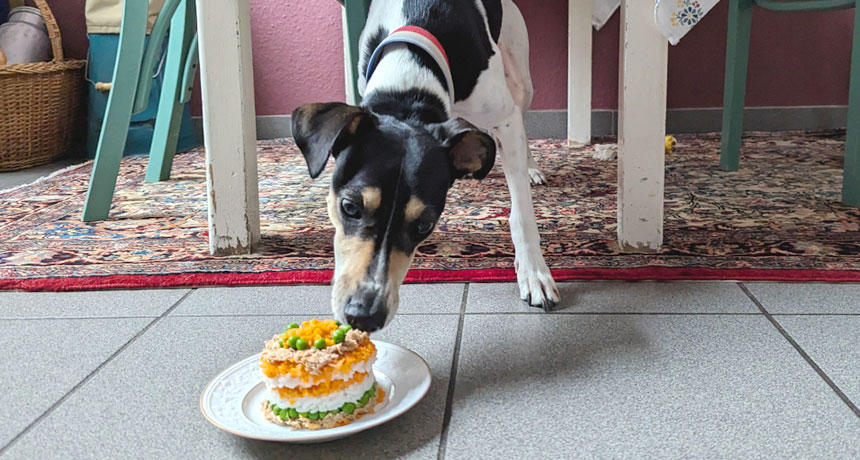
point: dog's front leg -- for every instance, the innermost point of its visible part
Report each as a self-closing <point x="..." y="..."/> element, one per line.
<point x="535" y="281"/>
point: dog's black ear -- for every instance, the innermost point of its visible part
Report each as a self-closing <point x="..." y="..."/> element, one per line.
<point x="470" y="149"/>
<point x="326" y="129"/>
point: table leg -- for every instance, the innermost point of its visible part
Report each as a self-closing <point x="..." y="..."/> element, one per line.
<point x="641" y="128"/>
<point x="579" y="71"/>
<point x="230" y="135"/>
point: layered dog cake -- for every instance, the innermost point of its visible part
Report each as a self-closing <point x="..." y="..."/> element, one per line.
<point x="319" y="375"/>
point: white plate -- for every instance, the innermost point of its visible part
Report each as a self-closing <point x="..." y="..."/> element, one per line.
<point x="231" y="401"/>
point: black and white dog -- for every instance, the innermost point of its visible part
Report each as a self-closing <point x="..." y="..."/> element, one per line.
<point x="444" y="83"/>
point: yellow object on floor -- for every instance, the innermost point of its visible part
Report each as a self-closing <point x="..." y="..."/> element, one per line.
<point x="670" y="144"/>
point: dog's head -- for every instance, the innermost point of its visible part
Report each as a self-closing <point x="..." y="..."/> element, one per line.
<point x="388" y="190"/>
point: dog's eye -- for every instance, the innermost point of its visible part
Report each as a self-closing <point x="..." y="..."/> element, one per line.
<point x="425" y="227"/>
<point x="350" y="208"/>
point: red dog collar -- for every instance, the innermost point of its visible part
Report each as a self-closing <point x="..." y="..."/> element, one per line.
<point x="422" y="38"/>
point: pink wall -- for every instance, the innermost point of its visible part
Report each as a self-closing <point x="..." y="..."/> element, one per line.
<point x="796" y="59"/>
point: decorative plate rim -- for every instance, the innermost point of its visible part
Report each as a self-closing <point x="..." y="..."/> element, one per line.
<point x="426" y="383"/>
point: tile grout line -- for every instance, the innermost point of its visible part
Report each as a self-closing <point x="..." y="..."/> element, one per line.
<point x="801" y="352"/>
<point x="73" y="318"/>
<point x="281" y="315"/>
<point x="93" y="373"/>
<point x="815" y="314"/>
<point x="609" y="313"/>
<point x="452" y="379"/>
<point x="491" y="313"/>
<point x="475" y="313"/>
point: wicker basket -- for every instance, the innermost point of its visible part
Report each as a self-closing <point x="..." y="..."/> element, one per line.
<point x="41" y="106"/>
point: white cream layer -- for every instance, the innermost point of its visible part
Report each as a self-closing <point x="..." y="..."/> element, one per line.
<point x="288" y="381"/>
<point x="330" y="401"/>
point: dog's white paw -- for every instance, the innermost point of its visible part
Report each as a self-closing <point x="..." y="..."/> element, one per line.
<point x="537" y="288"/>
<point x="605" y="152"/>
<point x="536" y="176"/>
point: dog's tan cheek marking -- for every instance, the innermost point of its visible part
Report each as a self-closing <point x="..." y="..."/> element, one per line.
<point x="352" y="256"/>
<point x="414" y="209"/>
<point x="356" y="254"/>
<point x="398" y="265"/>
<point x="372" y="197"/>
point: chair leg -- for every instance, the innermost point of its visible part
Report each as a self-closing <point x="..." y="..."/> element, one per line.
<point x="192" y="60"/>
<point x="851" y="171"/>
<point x="355" y="18"/>
<point x="169" y="117"/>
<point x="118" y="113"/>
<point x="737" y="57"/>
<point x="153" y="53"/>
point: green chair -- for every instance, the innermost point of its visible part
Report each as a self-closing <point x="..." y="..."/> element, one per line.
<point x="737" y="56"/>
<point x="130" y="88"/>
<point x="356" y="16"/>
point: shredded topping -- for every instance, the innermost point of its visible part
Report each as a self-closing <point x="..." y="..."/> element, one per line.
<point x="312" y="359"/>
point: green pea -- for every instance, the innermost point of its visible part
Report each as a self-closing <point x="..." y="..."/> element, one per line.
<point x="292" y="341"/>
<point x="281" y="343"/>
<point x="293" y="326"/>
<point x="276" y="410"/>
<point x="345" y="328"/>
<point x="283" y="416"/>
<point x="305" y="414"/>
<point x="364" y="399"/>
<point x="349" y="408"/>
<point x="319" y="344"/>
<point x="336" y="322"/>
<point x="339" y="336"/>
<point x="314" y="415"/>
<point x="293" y="413"/>
<point x="301" y="344"/>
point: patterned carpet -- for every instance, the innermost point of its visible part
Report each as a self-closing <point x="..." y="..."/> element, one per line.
<point x="777" y="218"/>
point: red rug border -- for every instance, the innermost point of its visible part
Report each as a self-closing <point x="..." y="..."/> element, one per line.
<point x="60" y="284"/>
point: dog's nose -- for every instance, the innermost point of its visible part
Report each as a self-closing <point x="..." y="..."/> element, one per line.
<point x="366" y="311"/>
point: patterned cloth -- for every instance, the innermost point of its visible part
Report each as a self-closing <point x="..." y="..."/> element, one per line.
<point x="780" y="211"/>
<point x="674" y="18"/>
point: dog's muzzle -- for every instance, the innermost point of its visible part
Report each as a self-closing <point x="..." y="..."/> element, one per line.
<point x="366" y="309"/>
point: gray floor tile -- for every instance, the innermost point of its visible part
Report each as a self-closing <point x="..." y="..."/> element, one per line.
<point x="807" y="297"/>
<point x="833" y="342"/>
<point x="618" y="297"/>
<point x="431" y="298"/>
<point x="25" y="176"/>
<point x="310" y="300"/>
<point x="145" y="401"/>
<point x="641" y="386"/>
<point x="87" y="303"/>
<point x="44" y="359"/>
<point x="257" y="300"/>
